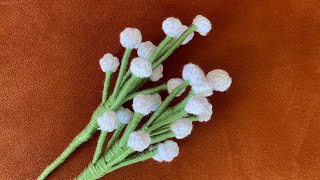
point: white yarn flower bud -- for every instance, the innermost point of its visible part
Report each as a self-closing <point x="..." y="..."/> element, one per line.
<point x="156" y="101"/>
<point x="174" y="83"/>
<point x="198" y="104"/>
<point x="141" y="67"/>
<point x="167" y="151"/>
<point x="172" y="26"/>
<point x="203" y="87"/>
<point x="124" y="115"/>
<point x="203" y="25"/>
<point x="146" y="49"/>
<point x="139" y="141"/>
<point x="142" y="104"/>
<point x="181" y="128"/>
<point x="192" y="73"/>
<point x="188" y="38"/>
<point x="108" y="121"/>
<point x="130" y="38"/>
<point x="157" y="73"/>
<point x="205" y="117"/>
<point x="109" y="63"/>
<point x="219" y="80"/>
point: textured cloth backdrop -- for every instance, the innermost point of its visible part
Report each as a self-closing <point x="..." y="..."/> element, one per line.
<point x="265" y="127"/>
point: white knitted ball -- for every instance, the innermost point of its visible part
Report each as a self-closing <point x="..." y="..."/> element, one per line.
<point x="139" y="141"/>
<point x="172" y="26"/>
<point x="203" y="87"/>
<point x="142" y="104"/>
<point x="146" y="49"/>
<point x="157" y="73"/>
<point x="188" y="38"/>
<point x="156" y="101"/>
<point x="108" y="121"/>
<point x="130" y="38"/>
<point x="205" y="117"/>
<point x="174" y="83"/>
<point x="109" y="63"/>
<point x="203" y="25"/>
<point x="192" y="73"/>
<point x="198" y="104"/>
<point x="167" y="151"/>
<point x="141" y="67"/>
<point x="219" y="79"/>
<point x="181" y="128"/>
<point x="124" y="115"/>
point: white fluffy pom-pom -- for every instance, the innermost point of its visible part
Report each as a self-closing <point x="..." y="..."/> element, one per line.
<point x="139" y="141"/>
<point x="141" y="67"/>
<point x="174" y="83"/>
<point x="108" y="121"/>
<point x="142" y="104"/>
<point x="157" y="73"/>
<point x="205" y="117"/>
<point x="181" y="128"/>
<point x="167" y="151"/>
<point x="219" y="80"/>
<point x="203" y="25"/>
<point x="130" y="38"/>
<point x="198" y="104"/>
<point x="172" y="26"/>
<point x="156" y="101"/>
<point x="109" y="63"/>
<point x="124" y="115"/>
<point x="203" y="87"/>
<point x="146" y="49"/>
<point x="188" y="38"/>
<point x="192" y="73"/>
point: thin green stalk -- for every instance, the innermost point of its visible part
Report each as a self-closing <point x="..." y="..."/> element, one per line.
<point x="168" y="46"/>
<point x="123" y="68"/>
<point x="159" y="48"/>
<point x="160" y="131"/>
<point x="115" y="136"/>
<point x="106" y="87"/>
<point x="149" y="91"/>
<point x="99" y="147"/>
<point x="169" y="120"/>
<point x="132" y="125"/>
<point x="193" y="118"/>
<point x="162" y="137"/>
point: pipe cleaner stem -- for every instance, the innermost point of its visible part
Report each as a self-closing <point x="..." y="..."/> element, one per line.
<point x="190" y="30"/>
<point x="161" y="137"/>
<point x="135" y="159"/>
<point x="160" y="131"/>
<point x="82" y="137"/>
<point x="123" y="68"/>
<point x="169" y="120"/>
<point x="193" y="118"/>
<point x="159" y="48"/>
<point x="121" y="157"/>
<point x="115" y="136"/>
<point x="165" y="103"/>
<point x="168" y="46"/>
<point x="132" y="125"/>
<point x="106" y="87"/>
<point x="149" y="91"/>
<point x="99" y="147"/>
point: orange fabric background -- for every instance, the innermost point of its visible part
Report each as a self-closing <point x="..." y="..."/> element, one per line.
<point x="265" y="127"/>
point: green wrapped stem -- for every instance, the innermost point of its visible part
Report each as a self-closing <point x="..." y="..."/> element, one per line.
<point x="161" y="137"/>
<point x="115" y="136"/>
<point x="106" y="87"/>
<point x="132" y="125"/>
<point x="150" y="91"/>
<point x="99" y="147"/>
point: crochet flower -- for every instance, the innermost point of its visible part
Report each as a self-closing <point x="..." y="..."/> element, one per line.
<point x="205" y="117"/>
<point x="203" y="87"/>
<point x="124" y="115"/>
<point x="109" y="63"/>
<point x="174" y="83"/>
<point x="157" y="73"/>
<point x="219" y="80"/>
<point x="167" y="151"/>
<point x="142" y="104"/>
<point x="192" y="73"/>
<point x="188" y="38"/>
<point x="172" y="27"/>
<point x="155" y="101"/>
<point x="198" y="104"/>
<point x="181" y="128"/>
<point x="146" y="49"/>
<point x="139" y="141"/>
<point x="130" y="38"/>
<point x="108" y="121"/>
<point x="141" y="67"/>
<point x="203" y="25"/>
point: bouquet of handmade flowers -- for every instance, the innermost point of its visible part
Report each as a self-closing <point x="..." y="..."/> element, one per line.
<point x="144" y="133"/>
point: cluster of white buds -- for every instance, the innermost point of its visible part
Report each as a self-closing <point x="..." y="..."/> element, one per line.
<point x="139" y="141"/>
<point x="146" y="49"/>
<point x="167" y="151"/>
<point x="141" y="67"/>
<point x="181" y="128"/>
<point x="108" y="121"/>
<point x="124" y="115"/>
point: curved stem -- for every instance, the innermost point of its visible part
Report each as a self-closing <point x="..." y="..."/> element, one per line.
<point x="99" y="147"/>
<point x="150" y="91"/>
<point x="106" y="87"/>
<point x="115" y="136"/>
